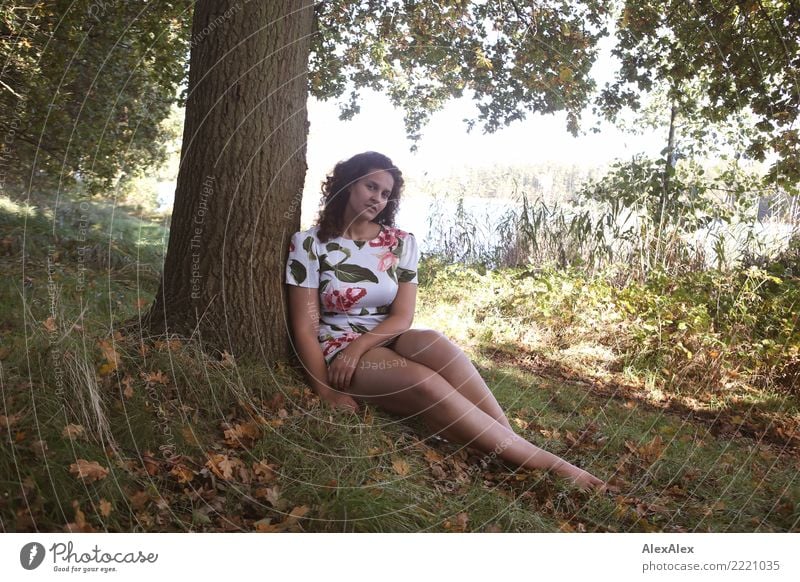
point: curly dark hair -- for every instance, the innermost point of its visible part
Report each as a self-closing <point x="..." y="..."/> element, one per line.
<point x="336" y="192"/>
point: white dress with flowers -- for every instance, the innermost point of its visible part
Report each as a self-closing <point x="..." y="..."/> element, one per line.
<point x="357" y="280"/>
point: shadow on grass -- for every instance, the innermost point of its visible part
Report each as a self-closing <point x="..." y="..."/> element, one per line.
<point x="765" y="419"/>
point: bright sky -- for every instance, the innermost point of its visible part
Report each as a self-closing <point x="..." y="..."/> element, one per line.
<point x="446" y="146"/>
<point x="445" y="143"/>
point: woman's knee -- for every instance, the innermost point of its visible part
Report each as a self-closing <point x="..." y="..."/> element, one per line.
<point x="419" y="341"/>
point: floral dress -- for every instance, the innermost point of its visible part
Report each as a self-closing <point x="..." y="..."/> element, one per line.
<point x="357" y="280"/>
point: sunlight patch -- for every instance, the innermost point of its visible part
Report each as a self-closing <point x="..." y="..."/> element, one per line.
<point x="8" y="206"/>
<point x="589" y="353"/>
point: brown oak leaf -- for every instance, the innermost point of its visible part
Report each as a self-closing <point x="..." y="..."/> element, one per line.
<point x="89" y="471"/>
<point x="73" y="431"/>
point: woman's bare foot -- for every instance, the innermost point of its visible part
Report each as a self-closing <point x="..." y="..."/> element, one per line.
<point x="582" y="479"/>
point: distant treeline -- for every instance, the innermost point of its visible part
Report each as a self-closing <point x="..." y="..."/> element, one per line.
<point x="550" y="181"/>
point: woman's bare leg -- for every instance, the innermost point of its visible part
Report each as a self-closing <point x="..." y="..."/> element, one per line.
<point x="405" y="387"/>
<point x="435" y="351"/>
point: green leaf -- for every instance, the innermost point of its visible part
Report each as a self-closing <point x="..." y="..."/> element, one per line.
<point x="324" y="265"/>
<point x="353" y="273"/>
<point x="405" y="275"/>
<point x="297" y="270"/>
<point x="308" y="245"/>
<point x="332" y="246"/>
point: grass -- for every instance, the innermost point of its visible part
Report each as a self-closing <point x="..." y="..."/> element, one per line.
<point x="186" y="442"/>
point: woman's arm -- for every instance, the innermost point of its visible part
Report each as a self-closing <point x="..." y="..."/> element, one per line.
<point x="304" y="320"/>
<point x="399" y="320"/>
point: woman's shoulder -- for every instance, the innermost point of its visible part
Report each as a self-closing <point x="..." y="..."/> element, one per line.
<point x="398" y="232"/>
<point x="304" y="239"/>
<point x="309" y="232"/>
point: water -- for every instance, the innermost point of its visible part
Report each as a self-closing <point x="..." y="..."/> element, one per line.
<point x="485" y="215"/>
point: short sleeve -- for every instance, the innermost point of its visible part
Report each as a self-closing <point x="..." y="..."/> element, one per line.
<point x="409" y="258"/>
<point x="302" y="265"/>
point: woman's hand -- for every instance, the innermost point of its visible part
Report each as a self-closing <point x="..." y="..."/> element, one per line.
<point x="342" y="368"/>
<point x="341" y="401"/>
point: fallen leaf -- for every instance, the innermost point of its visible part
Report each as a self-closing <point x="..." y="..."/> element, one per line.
<point x="651" y="451"/>
<point x="50" y="324"/>
<point x="298" y="512"/>
<point x="400" y="466"/>
<point x="270" y="494"/>
<point x="80" y="525"/>
<point x="275" y="402"/>
<point x="189" y="435"/>
<point x="459" y="522"/>
<point x="433" y="456"/>
<point x="40" y="449"/>
<point x="73" y="431"/>
<point x="155" y="377"/>
<point x="264" y="471"/>
<point x="127" y="381"/>
<point x="140" y="499"/>
<point x="223" y="466"/>
<point x="438" y="472"/>
<point x="7" y="422"/>
<point x="227" y="360"/>
<point x="151" y="464"/>
<point x="105" y="508"/>
<point x="89" y="471"/>
<point x="171" y="345"/>
<point x="550" y="434"/>
<point x="182" y="473"/>
<point x="111" y="356"/>
<point x="266" y="526"/>
<point x="241" y="435"/>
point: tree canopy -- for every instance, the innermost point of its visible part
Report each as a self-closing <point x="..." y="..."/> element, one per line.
<point x="511" y="57"/>
<point x="85" y="85"/>
<point x="744" y="53"/>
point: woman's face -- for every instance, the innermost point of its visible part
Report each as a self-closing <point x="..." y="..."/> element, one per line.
<point x="369" y="195"/>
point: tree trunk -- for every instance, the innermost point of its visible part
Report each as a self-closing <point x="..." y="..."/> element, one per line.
<point x="670" y="161"/>
<point x="661" y="244"/>
<point x="240" y="182"/>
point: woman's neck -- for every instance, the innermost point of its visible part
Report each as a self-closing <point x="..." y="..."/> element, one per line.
<point x="364" y="230"/>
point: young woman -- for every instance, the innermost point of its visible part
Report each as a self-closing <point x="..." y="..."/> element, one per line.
<point x="352" y="286"/>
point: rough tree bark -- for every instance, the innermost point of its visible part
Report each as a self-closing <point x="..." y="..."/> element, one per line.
<point x="243" y="164"/>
